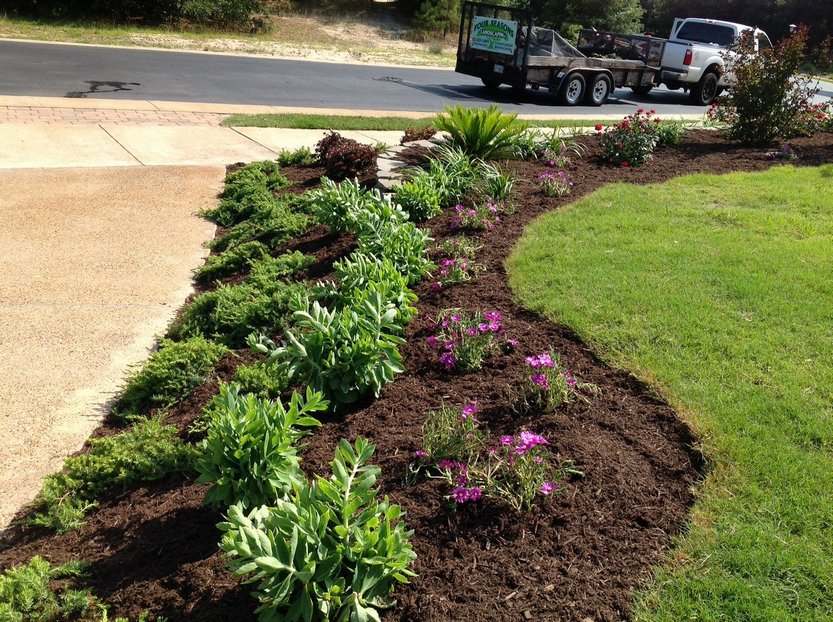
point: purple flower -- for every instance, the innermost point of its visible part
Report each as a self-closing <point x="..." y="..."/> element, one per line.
<point x="447" y="360"/>
<point x="471" y="331"/>
<point x="540" y="380"/>
<point x="421" y="453"/>
<point x="494" y="326"/>
<point x="475" y="493"/>
<point x="492" y="316"/>
<point x="469" y="410"/>
<point x="483" y="327"/>
<point x="432" y="341"/>
<point x="460" y="494"/>
<point x="455" y="319"/>
<point x="547" y="488"/>
<point x="527" y="440"/>
<point x="445" y="464"/>
<point x="448" y="345"/>
<point x="507" y="440"/>
<point x="436" y="286"/>
<point x="513" y="343"/>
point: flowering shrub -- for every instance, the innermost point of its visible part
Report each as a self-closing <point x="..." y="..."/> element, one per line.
<point x="555" y="184"/>
<point x="784" y="153"/>
<point x="548" y="385"/>
<point x="465" y="341"/>
<point x="768" y="99"/>
<point x="481" y="217"/>
<point x="814" y="118"/>
<point x="630" y="142"/>
<point x="451" y="435"/>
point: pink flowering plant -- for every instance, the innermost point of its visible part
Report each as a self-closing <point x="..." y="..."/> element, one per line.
<point x="555" y="183"/>
<point x="516" y="472"/>
<point x="466" y="340"/>
<point x="557" y="157"/>
<point x="630" y="142"/>
<point x="451" y="434"/>
<point x="548" y="384"/>
<point x="480" y="217"/>
<point x="454" y="260"/>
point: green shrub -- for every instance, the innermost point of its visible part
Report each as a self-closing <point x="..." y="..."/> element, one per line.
<point x="418" y="198"/>
<point x="265" y="271"/>
<point x="345" y="354"/>
<point x="486" y="134"/>
<point x="148" y="452"/>
<point x="265" y="174"/>
<point x="669" y="132"/>
<point x="403" y="244"/>
<point x="273" y="224"/>
<point x="262" y="379"/>
<point x="171" y="373"/>
<point x="452" y="173"/>
<point x="26" y="594"/>
<point x="331" y="551"/>
<point x="228" y="13"/>
<point x="230" y="261"/>
<point x="232" y="312"/>
<point x="299" y="157"/>
<point x="250" y="455"/>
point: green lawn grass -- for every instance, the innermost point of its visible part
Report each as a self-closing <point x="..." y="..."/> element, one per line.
<point x="717" y="290"/>
<point x="353" y="122"/>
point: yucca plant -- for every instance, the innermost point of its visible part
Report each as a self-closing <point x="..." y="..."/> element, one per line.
<point x="488" y="134"/>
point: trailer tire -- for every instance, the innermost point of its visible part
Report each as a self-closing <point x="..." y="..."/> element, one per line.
<point x="491" y="83"/>
<point x="599" y="90"/>
<point x="572" y="89"/>
<point x="643" y="89"/>
<point x="704" y="92"/>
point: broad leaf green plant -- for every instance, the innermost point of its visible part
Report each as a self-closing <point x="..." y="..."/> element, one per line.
<point x="403" y="244"/>
<point x="330" y="551"/>
<point x="346" y="206"/>
<point x="346" y="354"/>
<point x="488" y="134"/>
<point x="250" y="454"/>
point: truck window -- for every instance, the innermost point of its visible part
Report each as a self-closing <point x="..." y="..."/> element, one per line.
<point x="763" y="41"/>
<point x="699" y="32"/>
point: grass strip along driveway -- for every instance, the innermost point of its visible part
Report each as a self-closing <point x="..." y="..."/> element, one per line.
<point x="717" y="291"/>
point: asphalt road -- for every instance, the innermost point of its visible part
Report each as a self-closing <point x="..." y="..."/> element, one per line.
<point x="52" y="70"/>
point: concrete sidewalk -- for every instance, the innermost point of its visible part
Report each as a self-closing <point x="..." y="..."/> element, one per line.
<point x="97" y="250"/>
<point x="45" y="133"/>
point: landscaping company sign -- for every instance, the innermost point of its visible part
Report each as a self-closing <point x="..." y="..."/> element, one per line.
<point x="493" y="35"/>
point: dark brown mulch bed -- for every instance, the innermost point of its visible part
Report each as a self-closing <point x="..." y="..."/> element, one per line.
<point x="579" y="555"/>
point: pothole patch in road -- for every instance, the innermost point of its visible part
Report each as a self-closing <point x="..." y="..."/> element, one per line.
<point x="388" y="79"/>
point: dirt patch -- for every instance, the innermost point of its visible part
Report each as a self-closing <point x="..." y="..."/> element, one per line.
<point x="579" y="555"/>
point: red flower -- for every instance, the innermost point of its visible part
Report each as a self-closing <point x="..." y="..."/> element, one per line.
<point x="598" y="127"/>
<point x="639" y="111"/>
<point x="625" y="165"/>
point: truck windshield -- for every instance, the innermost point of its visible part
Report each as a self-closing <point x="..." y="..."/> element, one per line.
<point x="707" y="33"/>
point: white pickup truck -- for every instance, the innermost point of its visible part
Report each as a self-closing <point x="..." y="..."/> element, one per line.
<point x="694" y="56"/>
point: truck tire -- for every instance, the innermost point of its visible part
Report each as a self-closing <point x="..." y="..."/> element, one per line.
<point x="704" y="92"/>
<point x="491" y="83"/>
<point x="643" y="89"/>
<point x="572" y="90"/>
<point x="601" y="86"/>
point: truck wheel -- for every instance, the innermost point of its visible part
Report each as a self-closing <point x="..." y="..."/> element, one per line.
<point x="572" y="91"/>
<point x="704" y="92"/>
<point x="490" y="83"/>
<point x="599" y="90"/>
<point x="642" y="89"/>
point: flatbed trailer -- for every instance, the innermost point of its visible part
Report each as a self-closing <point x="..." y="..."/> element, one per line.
<point x="502" y="45"/>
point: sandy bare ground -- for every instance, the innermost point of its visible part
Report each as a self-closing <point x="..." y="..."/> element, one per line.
<point x="95" y="263"/>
